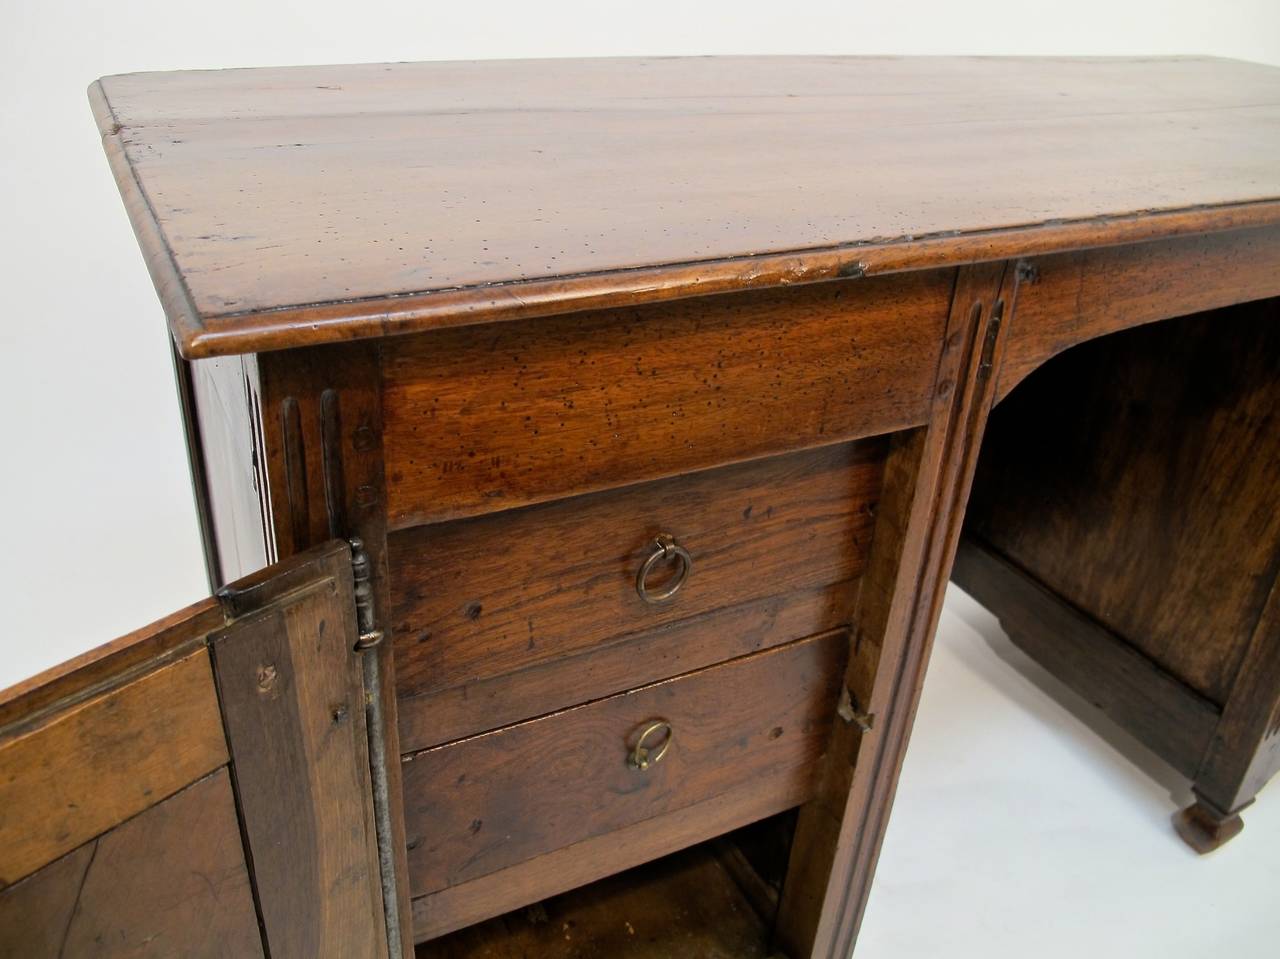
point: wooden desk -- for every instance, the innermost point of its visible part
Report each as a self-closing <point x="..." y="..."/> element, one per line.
<point x="653" y="393"/>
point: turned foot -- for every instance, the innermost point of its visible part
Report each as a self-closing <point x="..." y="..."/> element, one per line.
<point x="1204" y="829"/>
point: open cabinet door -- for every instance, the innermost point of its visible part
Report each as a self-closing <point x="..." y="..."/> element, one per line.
<point x="201" y="787"/>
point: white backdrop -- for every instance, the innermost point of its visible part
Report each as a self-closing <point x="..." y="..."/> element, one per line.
<point x="99" y="533"/>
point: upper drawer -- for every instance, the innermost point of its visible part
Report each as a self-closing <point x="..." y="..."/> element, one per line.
<point x="502" y="617"/>
<point x="486" y="418"/>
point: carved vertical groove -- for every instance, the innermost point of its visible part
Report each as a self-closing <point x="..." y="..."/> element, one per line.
<point x="971" y="398"/>
<point x="295" y="474"/>
<point x="331" y="461"/>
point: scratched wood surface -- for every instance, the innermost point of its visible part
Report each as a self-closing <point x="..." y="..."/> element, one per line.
<point x="531" y="788"/>
<point x="1149" y="499"/>
<point x="483" y="419"/>
<point x="169" y="882"/>
<point x="555" y="585"/>
<point x="1073" y="297"/>
<point x="308" y="204"/>
<point x="293" y="702"/>
<point x="93" y="764"/>
<point x="571" y="867"/>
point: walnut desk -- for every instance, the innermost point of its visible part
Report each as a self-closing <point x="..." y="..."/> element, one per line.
<point x="587" y="445"/>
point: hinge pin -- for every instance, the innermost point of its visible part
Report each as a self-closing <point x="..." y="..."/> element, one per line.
<point x="370" y="636"/>
<point x="369" y="640"/>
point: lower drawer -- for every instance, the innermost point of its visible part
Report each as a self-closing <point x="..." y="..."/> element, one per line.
<point x="488" y="803"/>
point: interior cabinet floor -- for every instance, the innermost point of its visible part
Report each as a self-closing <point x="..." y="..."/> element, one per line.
<point x="685" y="906"/>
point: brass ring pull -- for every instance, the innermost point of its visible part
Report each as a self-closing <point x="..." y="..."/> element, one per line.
<point x="666" y="546"/>
<point x="641" y="758"/>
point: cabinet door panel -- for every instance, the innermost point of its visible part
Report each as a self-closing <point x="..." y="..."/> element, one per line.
<point x="132" y="824"/>
<point x="169" y="882"/>
<point x="292" y="691"/>
<point x="96" y="764"/>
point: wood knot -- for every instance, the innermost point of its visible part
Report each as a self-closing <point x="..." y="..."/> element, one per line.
<point x="267" y="676"/>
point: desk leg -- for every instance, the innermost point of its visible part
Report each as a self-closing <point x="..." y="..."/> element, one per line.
<point x="1245" y="749"/>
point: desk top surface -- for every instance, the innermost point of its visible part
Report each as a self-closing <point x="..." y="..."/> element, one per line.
<point x="310" y="204"/>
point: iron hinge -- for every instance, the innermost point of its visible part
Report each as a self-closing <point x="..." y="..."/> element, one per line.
<point x="370" y="636"/>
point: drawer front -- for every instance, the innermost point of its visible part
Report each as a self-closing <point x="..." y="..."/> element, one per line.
<point x="550" y="592"/>
<point x="490" y="802"/>
<point x="483" y="419"/>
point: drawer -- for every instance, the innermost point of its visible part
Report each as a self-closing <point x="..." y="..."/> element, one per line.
<point x="504" y="617"/>
<point x="487" y="803"/>
<point x="484" y="419"/>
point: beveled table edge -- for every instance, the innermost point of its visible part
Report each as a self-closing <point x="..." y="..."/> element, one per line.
<point x="312" y="324"/>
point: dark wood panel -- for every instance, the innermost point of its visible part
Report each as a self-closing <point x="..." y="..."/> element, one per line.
<point x="1245" y="750"/>
<point x="528" y="789"/>
<point x="681" y="647"/>
<point x="313" y="204"/>
<point x="169" y="882"/>
<point x="483" y="598"/>
<point x="573" y="866"/>
<point x="1073" y="297"/>
<point x="1135" y="477"/>
<point x="88" y="766"/>
<point x="1159" y="710"/>
<point x="683" y="906"/>
<point x="36" y="912"/>
<point x="757" y="856"/>
<point x="293" y="699"/>
<point x="479" y="420"/>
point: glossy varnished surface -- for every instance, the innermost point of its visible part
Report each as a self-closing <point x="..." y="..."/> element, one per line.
<point x="332" y="194"/>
